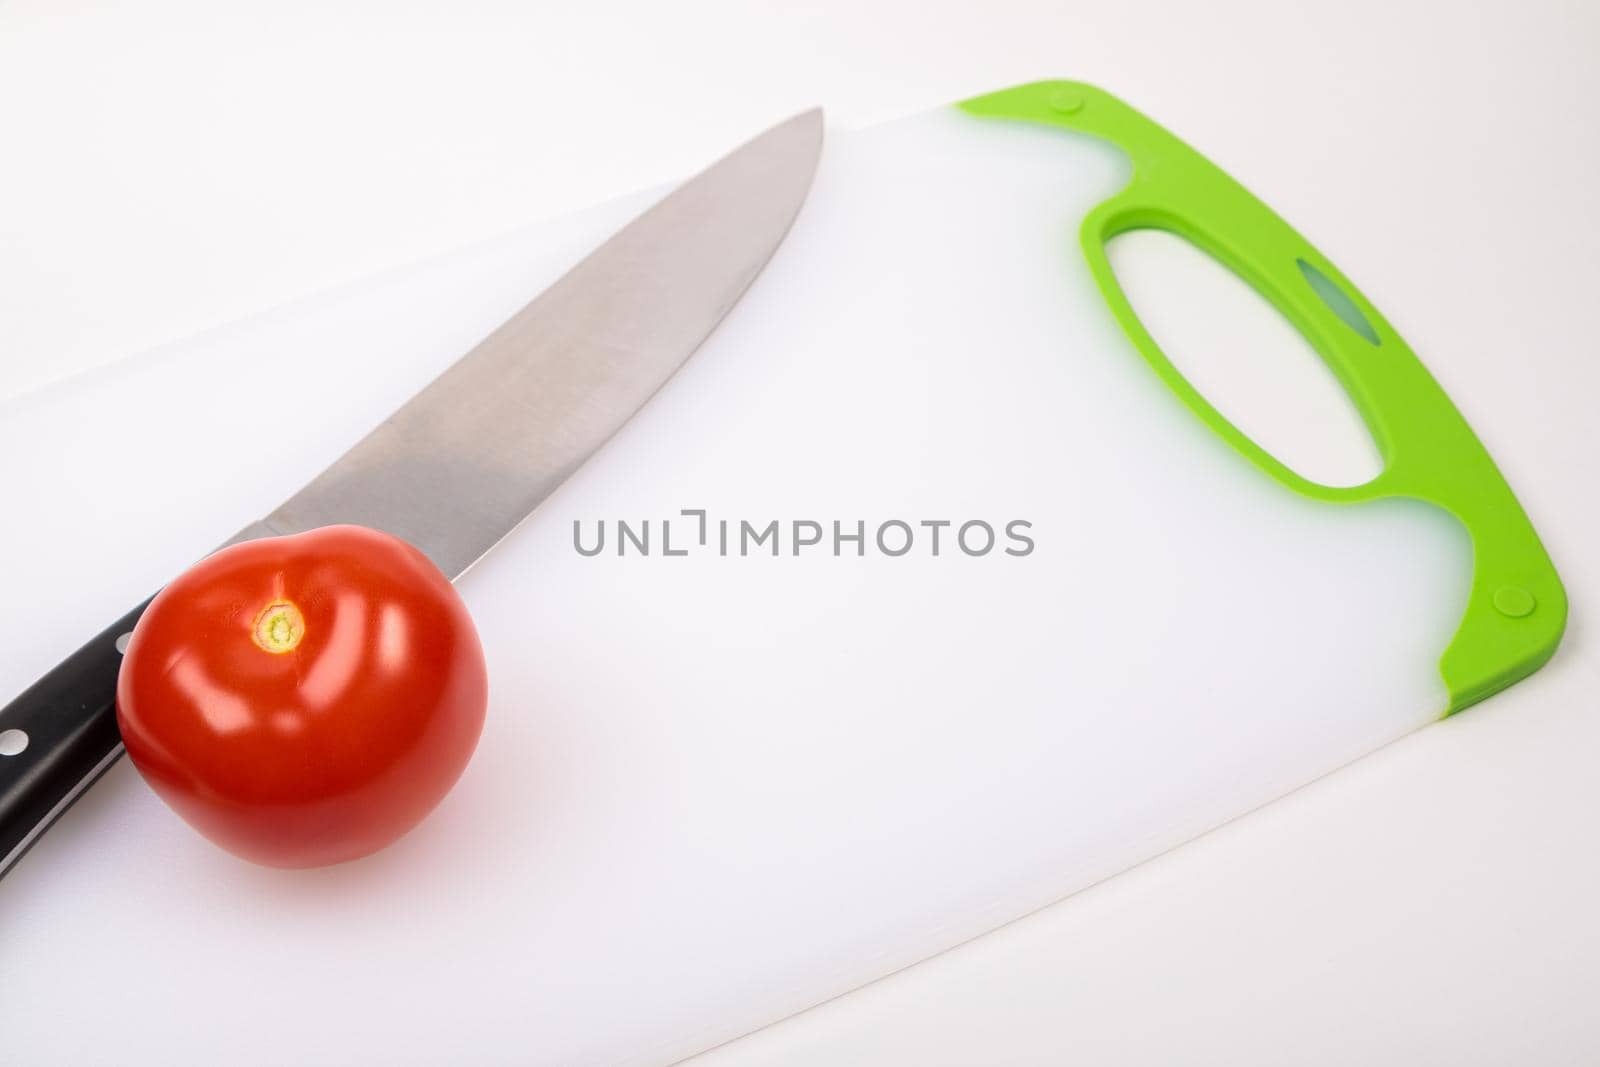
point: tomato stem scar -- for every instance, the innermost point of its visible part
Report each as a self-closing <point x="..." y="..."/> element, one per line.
<point x="279" y="627"/>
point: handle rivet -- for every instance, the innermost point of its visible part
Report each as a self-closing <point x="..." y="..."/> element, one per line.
<point x="1066" y="102"/>
<point x="12" y="742"/>
<point x="1513" y="601"/>
<point x="122" y="642"/>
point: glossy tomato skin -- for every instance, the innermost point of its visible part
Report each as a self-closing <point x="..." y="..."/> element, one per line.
<point x="304" y="700"/>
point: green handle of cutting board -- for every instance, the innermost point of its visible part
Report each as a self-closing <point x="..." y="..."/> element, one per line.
<point x="1517" y="609"/>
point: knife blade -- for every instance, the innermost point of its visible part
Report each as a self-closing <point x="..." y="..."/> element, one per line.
<point x="466" y="460"/>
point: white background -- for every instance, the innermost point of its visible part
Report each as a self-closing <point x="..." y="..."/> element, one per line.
<point x="171" y="166"/>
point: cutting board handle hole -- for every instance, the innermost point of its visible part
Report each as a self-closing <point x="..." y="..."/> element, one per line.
<point x="1244" y="357"/>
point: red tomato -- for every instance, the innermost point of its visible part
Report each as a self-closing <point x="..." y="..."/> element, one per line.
<point x="304" y="700"/>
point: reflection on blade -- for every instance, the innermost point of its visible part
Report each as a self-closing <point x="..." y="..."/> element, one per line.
<point x="465" y="460"/>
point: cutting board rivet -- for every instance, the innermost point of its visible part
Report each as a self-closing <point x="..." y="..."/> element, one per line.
<point x="1513" y="601"/>
<point x="1066" y="102"/>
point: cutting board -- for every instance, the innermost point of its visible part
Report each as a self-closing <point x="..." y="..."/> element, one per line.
<point x="720" y="785"/>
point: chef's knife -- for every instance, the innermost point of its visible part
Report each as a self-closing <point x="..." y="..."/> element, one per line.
<point x="469" y="457"/>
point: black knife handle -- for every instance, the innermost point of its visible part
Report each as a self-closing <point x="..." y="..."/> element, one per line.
<point x="66" y="726"/>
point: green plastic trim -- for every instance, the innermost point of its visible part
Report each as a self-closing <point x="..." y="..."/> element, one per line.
<point x="1516" y="609"/>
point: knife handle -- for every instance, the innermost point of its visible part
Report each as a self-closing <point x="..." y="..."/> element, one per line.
<point x="61" y="734"/>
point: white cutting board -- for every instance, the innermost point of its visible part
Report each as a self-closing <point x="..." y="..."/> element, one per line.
<point x="715" y="790"/>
